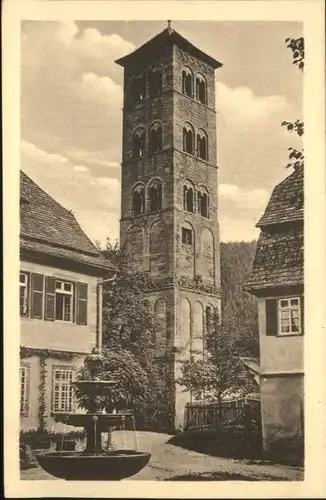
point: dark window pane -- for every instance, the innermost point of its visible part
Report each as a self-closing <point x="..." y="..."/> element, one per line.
<point x="59" y="306"/>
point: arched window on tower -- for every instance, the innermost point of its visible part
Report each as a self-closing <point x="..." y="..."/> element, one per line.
<point x="155" y="138"/>
<point x="155" y="196"/>
<point x="187" y="235"/>
<point x="155" y="83"/>
<point x="187" y="82"/>
<point x="188" y="198"/>
<point x="202" y="145"/>
<point x="188" y="139"/>
<point x="138" y="89"/>
<point x="138" y="143"/>
<point x="202" y="199"/>
<point x="201" y="89"/>
<point x="138" y="199"/>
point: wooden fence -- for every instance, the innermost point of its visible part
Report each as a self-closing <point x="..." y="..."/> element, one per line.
<point x="236" y="414"/>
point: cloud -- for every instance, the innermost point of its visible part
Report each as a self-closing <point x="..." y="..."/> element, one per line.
<point x="95" y="201"/>
<point x="71" y="90"/>
<point x="241" y="105"/>
<point x="237" y="229"/>
<point x="243" y="198"/>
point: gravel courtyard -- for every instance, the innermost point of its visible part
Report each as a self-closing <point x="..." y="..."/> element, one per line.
<point x="169" y="462"/>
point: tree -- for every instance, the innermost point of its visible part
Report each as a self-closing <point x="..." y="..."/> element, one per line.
<point x="296" y="157"/>
<point x="221" y="373"/>
<point x="239" y="308"/>
<point x="130" y="345"/>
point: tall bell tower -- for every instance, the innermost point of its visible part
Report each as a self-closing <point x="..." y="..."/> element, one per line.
<point x="169" y="217"/>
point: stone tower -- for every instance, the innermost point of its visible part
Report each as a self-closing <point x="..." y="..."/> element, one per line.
<point x="169" y="218"/>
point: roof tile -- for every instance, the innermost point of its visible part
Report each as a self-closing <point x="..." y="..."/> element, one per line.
<point x="48" y="227"/>
<point x="286" y="202"/>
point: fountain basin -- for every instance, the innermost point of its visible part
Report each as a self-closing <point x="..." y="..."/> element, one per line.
<point x="81" y="419"/>
<point x="102" y="466"/>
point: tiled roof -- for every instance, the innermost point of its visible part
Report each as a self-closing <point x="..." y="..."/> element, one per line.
<point x="278" y="260"/>
<point x="165" y="37"/>
<point x="49" y="228"/>
<point x="286" y="202"/>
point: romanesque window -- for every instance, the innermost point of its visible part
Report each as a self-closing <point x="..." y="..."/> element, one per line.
<point x="138" y="89"/>
<point x="138" y="143"/>
<point x="187" y="82"/>
<point x="186" y="236"/>
<point x="155" y="138"/>
<point x="185" y="328"/>
<point x="138" y="200"/>
<point x="155" y="83"/>
<point x="206" y="260"/>
<point x="188" y="199"/>
<point x="155" y="196"/>
<point x="135" y="247"/>
<point x="188" y="139"/>
<point x="160" y="324"/>
<point x="158" y="249"/>
<point x="201" y="89"/>
<point x="202" y="199"/>
<point x="202" y="145"/>
<point x="197" y="343"/>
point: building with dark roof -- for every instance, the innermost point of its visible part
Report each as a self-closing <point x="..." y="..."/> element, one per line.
<point x="277" y="279"/>
<point x="169" y="188"/>
<point x="60" y="303"/>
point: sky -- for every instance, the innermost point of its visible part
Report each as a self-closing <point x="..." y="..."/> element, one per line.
<point x="71" y="113"/>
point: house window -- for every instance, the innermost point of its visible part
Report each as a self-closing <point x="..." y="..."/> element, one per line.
<point x="188" y="139"/>
<point x="23" y="293"/>
<point x="289" y="316"/>
<point x="187" y="82"/>
<point x="138" y="89"/>
<point x="63" y="300"/>
<point x="138" y="143"/>
<point x="201" y="89"/>
<point x="155" y="196"/>
<point x="155" y="83"/>
<point x="155" y="139"/>
<point x="138" y="200"/>
<point x="188" y="199"/>
<point x="186" y="236"/>
<point x="63" y="395"/>
<point x="24" y="383"/>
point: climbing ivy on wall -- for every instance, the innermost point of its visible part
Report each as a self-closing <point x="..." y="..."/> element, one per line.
<point x="44" y="354"/>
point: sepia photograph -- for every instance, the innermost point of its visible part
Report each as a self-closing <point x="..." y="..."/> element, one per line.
<point x="162" y="257"/>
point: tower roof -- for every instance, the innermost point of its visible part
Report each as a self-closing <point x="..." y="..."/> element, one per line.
<point x="167" y="37"/>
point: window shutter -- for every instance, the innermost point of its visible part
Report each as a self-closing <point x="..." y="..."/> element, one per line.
<point x="81" y="313"/>
<point x="37" y="281"/>
<point x="302" y="313"/>
<point x="271" y="317"/>
<point x="50" y="284"/>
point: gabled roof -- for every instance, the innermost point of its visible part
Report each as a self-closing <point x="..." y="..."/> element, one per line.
<point x="167" y="37"/>
<point x="286" y="202"/>
<point x="47" y="227"/>
<point x="278" y="260"/>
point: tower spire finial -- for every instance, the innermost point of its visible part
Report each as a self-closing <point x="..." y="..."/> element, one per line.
<point x="169" y="26"/>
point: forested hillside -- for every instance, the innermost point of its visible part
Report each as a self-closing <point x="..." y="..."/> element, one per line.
<point x="239" y="308"/>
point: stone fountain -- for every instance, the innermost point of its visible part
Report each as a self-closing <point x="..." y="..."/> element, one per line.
<point x="94" y="463"/>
